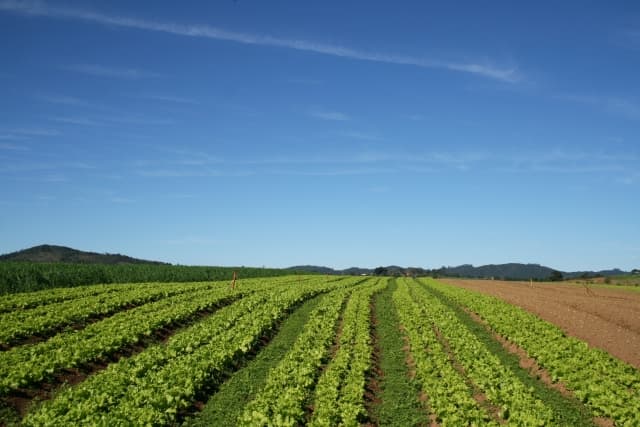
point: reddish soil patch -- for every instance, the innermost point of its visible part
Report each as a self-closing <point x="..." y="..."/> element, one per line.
<point x="608" y="319"/>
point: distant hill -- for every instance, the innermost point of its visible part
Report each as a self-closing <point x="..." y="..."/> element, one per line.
<point x="510" y="271"/>
<point x="53" y="253"/>
<point x="391" y="270"/>
<point x="313" y="269"/>
<point x="517" y="271"/>
<point x="603" y="273"/>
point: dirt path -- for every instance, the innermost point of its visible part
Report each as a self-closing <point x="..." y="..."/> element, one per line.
<point x="605" y="318"/>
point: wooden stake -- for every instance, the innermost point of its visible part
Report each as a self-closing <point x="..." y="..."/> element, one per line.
<point x="233" y="284"/>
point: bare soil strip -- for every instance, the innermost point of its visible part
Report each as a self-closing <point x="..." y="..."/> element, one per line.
<point x="608" y="319"/>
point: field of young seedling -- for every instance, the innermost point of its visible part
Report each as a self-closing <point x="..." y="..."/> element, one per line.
<point x="299" y="350"/>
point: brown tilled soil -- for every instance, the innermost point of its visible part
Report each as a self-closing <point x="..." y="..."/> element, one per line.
<point x="605" y="318"/>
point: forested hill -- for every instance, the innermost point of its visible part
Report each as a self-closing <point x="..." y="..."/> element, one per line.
<point x="53" y="253"/>
<point x="510" y="271"/>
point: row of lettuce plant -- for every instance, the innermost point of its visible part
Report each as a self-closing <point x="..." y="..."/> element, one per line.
<point x="33" y="363"/>
<point x="289" y="385"/>
<point x="155" y="385"/>
<point x="608" y="386"/>
<point x="25" y="300"/>
<point x="450" y="399"/>
<point x="44" y="319"/>
<point x="500" y="385"/>
<point x="339" y="394"/>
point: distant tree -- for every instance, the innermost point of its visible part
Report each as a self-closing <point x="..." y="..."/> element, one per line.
<point x="556" y="276"/>
<point x="635" y="271"/>
<point x="380" y="271"/>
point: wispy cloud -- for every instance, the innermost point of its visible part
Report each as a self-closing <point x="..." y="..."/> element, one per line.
<point x="26" y="133"/>
<point x="334" y="172"/>
<point x="20" y="168"/>
<point x="622" y="107"/>
<point x="189" y="157"/>
<point x="34" y="131"/>
<point x="484" y="69"/>
<point x="55" y="178"/>
<point x="379" y="189"/>
<point x="183" y="196"/>
<point x="12" y="147"/>
<point x="106" y="120"/>
<point x="168" y="98"/>
<point x="569" y="162"/>
<point x="12" y="137"/>
<point x="329" y="115"/>
<point x="120" y="200"/>
<point x="45" y="198"/>
<point x="360" y="135"/>
<point x="110" y="72"/>
<point x="64" y="100"/>
<point x="138" y="120"/>
<point x="82" y="121"/>
<point x="306" y="81"/>
<point x="629" y="38"/>
<point x="630" y="178"/>
<point x="614" y="165"/>
<point x="191" y="173"/>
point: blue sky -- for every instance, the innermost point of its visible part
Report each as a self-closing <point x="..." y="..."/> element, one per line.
<point x="332" y="133"/>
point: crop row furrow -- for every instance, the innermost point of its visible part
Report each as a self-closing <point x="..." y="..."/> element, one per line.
<point x="450" y="399"/>
<point x="339" y="394"/>
<point x="501" y="386"/>
<point x="45" y="319"/>
<point x="44" y="297"/>
<point x="607" y="385"/>
<point x="153" y="386"/>
<point x="289" y="384"/>
<point x="38" y="298"/>
<point x="29" y="364"/>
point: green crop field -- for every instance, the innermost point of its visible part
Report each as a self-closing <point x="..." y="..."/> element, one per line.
<point x="298" y="350"/>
